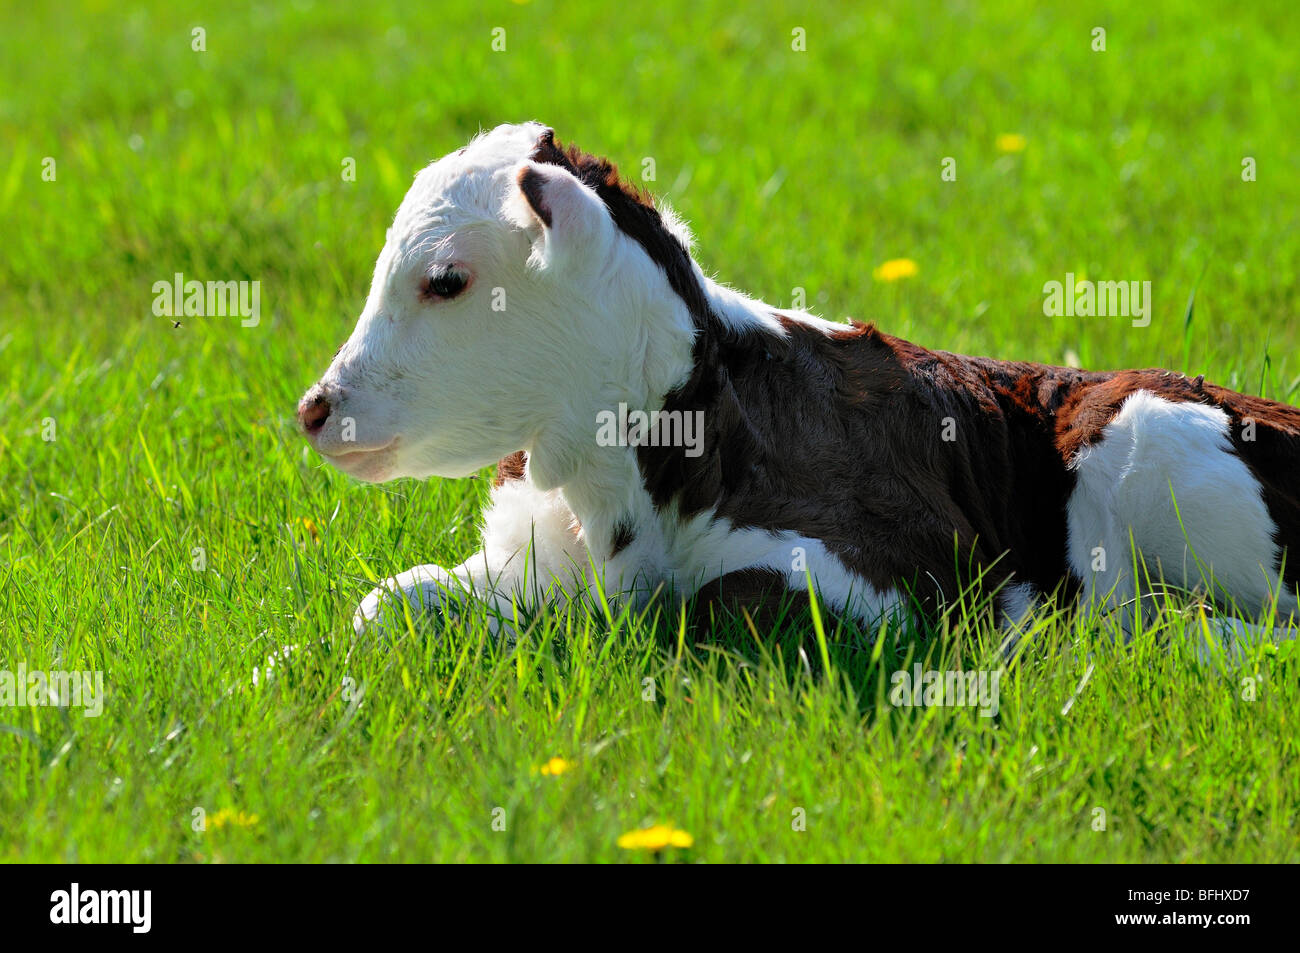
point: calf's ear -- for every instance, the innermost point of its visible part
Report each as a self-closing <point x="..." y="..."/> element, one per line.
<point x="569" y="224"/>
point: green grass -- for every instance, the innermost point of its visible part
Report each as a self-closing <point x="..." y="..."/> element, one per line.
<point x="797" y="169"/>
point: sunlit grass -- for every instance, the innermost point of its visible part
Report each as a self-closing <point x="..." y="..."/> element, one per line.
<point x="160" y="520"/>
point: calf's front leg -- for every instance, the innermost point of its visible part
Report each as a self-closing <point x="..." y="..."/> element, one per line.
<point x="531" y="555"/>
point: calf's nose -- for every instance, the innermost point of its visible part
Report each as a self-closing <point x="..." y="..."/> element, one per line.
<point x="313" y="411"/>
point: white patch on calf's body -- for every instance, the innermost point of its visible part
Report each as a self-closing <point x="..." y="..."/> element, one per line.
<point x="532" y="536"/>
<point x="694" y="551"/>
<point x="837" y="588"/>
<point x="533" y="554"/>
<point x="1166" y="472"/>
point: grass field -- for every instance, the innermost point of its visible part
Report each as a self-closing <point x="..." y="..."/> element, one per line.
<point x="162" y="522"/>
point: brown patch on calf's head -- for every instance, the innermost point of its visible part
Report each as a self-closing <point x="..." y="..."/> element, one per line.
<point x="530" y="183"/>
<point x="633" y="213"/>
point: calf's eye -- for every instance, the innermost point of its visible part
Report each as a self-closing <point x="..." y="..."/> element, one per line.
<point x="445" y="283"/>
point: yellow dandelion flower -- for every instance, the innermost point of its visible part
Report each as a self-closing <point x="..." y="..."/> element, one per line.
<point x="1012" y="142"/>
<point x="655" y="838"/>
<point x="309" y="524"/>
<point x="228" y="815"/>
<point x="554" y="767"/>
<point x="896" y="269"/>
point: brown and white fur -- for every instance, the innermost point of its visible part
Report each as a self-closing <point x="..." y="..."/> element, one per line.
<point x="525" y="289"/>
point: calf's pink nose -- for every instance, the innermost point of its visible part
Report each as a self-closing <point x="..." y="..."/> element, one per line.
<point x="312" y="413"/>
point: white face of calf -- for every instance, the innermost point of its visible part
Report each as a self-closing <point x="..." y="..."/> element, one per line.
<point x="485" y="322"/>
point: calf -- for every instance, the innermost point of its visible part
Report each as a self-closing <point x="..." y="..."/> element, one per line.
<point x="659" y="429"/>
